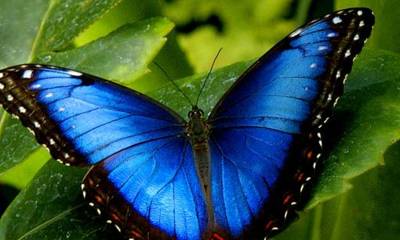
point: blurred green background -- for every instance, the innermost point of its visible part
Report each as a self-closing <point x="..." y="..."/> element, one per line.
<point x="356" y="197"/>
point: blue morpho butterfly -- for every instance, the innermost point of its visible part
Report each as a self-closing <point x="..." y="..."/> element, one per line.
<point x="237" y="175"/>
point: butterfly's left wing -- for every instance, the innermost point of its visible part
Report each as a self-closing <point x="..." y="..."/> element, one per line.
<point x="265" y="132"/>
<point x="145" y="179"/>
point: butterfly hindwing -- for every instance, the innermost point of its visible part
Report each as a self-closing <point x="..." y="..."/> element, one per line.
<point x="159" y="181"/>
<point x="265" y="130"/>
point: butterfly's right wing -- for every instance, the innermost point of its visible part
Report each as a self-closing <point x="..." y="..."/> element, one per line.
<point x="145" y="179"/>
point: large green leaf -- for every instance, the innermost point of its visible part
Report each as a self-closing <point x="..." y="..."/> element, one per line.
<point x="366" y="123"/>
<point x="123" y="54"/>
<point x="51" y="207"/>
<point x="357" y="148"/>
<point x="369" y="211"/>
<point x="170" y="57"/>
<point x="31" y="27"/>
<point x="26" y="29"/>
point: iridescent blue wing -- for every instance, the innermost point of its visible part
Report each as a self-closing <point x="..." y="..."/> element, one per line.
<point x="146" y="161"/>
<point x="265" y="132"/>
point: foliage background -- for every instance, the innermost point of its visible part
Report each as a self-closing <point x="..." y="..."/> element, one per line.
<point x="356" y="196"/>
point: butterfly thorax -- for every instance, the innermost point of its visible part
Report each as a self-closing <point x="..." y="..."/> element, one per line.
<point x="197" y="127"/>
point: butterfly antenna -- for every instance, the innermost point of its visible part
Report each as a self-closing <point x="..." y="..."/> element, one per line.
<point x="174" y="83"/>
<point x="208" y="76"/>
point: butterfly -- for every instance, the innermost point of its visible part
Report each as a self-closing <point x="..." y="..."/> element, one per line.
<point x="241" y="173"/>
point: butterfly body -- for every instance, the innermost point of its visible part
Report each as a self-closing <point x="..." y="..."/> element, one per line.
<point x="239" y="173"/>
<point x="197" y="130"/>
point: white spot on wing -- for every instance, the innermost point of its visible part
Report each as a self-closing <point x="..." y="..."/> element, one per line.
<point x="10" y="97"/>
<point x="356" y="37"/>
<point x="362" y="24"/>
<point x="61" y="109"/>
<point x="359" y="13"/>
<point x="313" y="65"/>
<point x="73" y="73"/>
<point x="27" y="74"/>
<point x="336" y="101"/>
<point x="345" y="78"/>
<point x="21" y="109"/>
<point x="36" y="124"/>
<point x="49" y="95"/>
<point x="338" y="74"/>
<point x="1" y="75"/>
<point x="117" y="227"/>
<point x="336" y="20"/>
<point x="295" y="33"/>
<point x="348" y="53"/>
<point x="314" y="165"/>
<point x="2" y="86"/>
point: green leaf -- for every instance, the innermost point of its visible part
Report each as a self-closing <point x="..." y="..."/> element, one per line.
<point x="122" y="56"/>
<point x="170" y="58"/>
<point x="64" y="20"/>
<point x="22" y="174"/>
<point x="30" y="27"/>
<point x="369" y="211"/>
<point x="385" y="34"/>
<point x="52" y="207"/>
<point x="219" y="81"/>
<point x="21" y="39"/>
<point x="366" y="123"/>
<point x="16" y="144"/>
